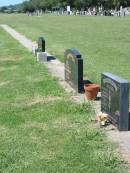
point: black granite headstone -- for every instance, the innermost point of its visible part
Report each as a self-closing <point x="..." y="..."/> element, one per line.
<point x="41" y="44"/>
<point x="74" y="69"/>
<point x="115" y="100"/>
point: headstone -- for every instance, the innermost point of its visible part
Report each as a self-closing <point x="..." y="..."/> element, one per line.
<point x="41" y="57"/>
<point x="115" y="100"/>
<point x="68" y="8"/>
<point x="41" y="44"/>
<point x="34" y="47"/>
<point x="74" y="69"/>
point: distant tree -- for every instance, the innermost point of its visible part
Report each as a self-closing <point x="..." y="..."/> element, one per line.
<point x="33" y="5"/>
<point x="3" y="9"/>
<point x="28" y="6"/>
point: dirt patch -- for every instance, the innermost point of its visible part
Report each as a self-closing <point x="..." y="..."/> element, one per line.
<point x="37" y="125"/>
<point x="36" y="79"/>
<point x="67" y="87"/>
<point x="39" y="99"/>
<point x="3" y="130"/>
<point x="64" y="123"/>
<point x="11" y="58"/>
<point x="28" y="102"/>
<point x="122" y="139"/>
<point x="8" y="68"/>
<point x="124" y="153"/>
<point x="4" y="83"/>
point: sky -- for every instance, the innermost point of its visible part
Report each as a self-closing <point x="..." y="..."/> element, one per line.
<point x="9" y="2"/>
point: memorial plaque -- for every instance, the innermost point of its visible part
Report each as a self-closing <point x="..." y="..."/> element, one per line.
<point x="115" y="100"/>
<point x="74" y="69"/>
<point x="41" y="44"/>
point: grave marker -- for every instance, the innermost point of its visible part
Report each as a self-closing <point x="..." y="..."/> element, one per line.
<point x="74" y="69"/>
<point x="115" y="100"/>
<point x="41" y="57"/>
<point x="41" y="44"/>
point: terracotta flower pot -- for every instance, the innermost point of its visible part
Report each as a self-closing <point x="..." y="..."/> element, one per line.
<point x="91" y="91"/>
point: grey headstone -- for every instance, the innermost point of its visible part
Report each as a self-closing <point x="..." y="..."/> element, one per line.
<point x="41" y="44"/>
<point x="115" y="100"/>
<point x="41" y="57"/>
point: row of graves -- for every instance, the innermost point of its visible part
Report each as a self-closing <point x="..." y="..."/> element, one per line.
<point x="114" y="89"/>
<point x="88" y="12"/>
<point x="99" y="12"/>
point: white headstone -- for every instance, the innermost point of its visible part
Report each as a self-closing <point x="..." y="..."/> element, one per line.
<point x="68" y="8"/>
<point x="34" y="47"/>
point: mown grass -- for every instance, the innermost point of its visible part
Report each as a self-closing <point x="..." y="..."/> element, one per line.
<point x="41" y="130"/>
<point x="103" y="41"/>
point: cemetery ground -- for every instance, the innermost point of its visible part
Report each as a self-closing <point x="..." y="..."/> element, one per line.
<point x="41" y="129"/>
<point x="102" y="41"/>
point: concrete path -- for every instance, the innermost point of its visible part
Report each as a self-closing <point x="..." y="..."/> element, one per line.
<point x="123" y="141"/>
<point x="56" y="68"/>
<point x="121" y="137"/>
<point x="21" y="38"/>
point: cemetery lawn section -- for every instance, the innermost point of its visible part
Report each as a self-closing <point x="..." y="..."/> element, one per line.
<point x="103" y="41"/>
<point x="41" y="129"/>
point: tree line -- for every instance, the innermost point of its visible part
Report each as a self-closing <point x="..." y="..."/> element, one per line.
<point x="33" y="5"/>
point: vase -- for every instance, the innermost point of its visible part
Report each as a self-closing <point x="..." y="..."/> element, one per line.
<point x="91" y="91"/>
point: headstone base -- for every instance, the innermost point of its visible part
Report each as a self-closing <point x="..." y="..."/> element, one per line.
<point x="41" y="57"/>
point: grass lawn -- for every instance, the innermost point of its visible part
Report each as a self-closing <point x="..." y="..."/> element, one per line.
<point x="41" y="130"/>
<point x="103" y="41"/>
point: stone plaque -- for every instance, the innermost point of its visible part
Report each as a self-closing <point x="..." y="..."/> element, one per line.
<point x="115" y="100"/>
<point x="41" y="44"/>
<point x="74" y="69"/>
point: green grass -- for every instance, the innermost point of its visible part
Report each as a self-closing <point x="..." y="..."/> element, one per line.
<point x="103" y="41"/>
<point x="41" y="130"/>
